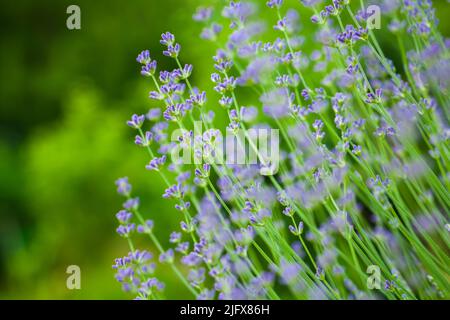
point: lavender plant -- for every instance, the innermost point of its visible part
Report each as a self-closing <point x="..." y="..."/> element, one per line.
<point x="357" y="205"/>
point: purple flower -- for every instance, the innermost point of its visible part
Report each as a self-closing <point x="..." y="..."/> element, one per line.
<point x="356" y="150"/>
<point x="136" y="121"/>
<point x="318" y="124"/>
<point x="184" y="206"/>
<point x="245" y="236"/>
<point x="154" y="114"/>
<point x="226" y="85"/>
<point x="196" y="276"/>
<point x="123" y="186"/>
<point x="238" y="11"/>
<point x="167" y="39"/>
<point x="198" y="98"/>
<point x="176" y="191"/>
<point x="125" y="230"/>
<point x="148" y="286"/>
<point x="144" y="141"/>
<point x="281" y="25"/>
<point x="167" y="256"/>
<point x="144" y="57"/>
<point x="389" y="285"/>
<point x="288" y="211"/>
<point x="155" y="95"/>
<point x="315" y="19"/>
<point x="274" y="3"/>
<point x="146" y="227"/>
<point x="202" y="14"/>
<point x="175" y="237"/>
<point x="175" y="112"/>
<point x="132" y="203"/>
<point x="123" y="216"/>
<point x="149" y="69"/>
<point x="192" y="259"/>
<point x="248" y="114"/>
<point x="375" y="98"/>
<point x="256" y="71"/>
<point x="182" y="247"/>
<point x="225" y="101"/>
<point x="210" y="33"/>
<point x="186" y="71"/>
<point x="289" y="271"/>
<point x="172" y="50"/>
<point x="222" y="63"/>
<point x="156" y="163"/>
<point x="351" y="35"/>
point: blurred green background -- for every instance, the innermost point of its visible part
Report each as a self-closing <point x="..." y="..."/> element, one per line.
<point x="65" y="96"/>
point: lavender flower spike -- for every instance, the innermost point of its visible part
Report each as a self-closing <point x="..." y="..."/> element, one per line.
<point x="167" y="39"/>
<point x="144" y="57"/>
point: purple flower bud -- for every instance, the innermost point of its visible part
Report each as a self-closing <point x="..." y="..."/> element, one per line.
<point x="293" y="230"/>
<point x="146" y="227"/>
<point x="144" y="141"/>
<point x="182" y="247"/>
<point x="187" y="70"/>
<point x="175" y="112"/>
<point x="156" y="163"/>
<point x="318" y="124"/>
<point x="167" y="39"/>
<point x="123" y="216"/>
<point x="225" y="101"/>
<point x="132" y="204"/>
<point x="288" y="211"/>
<point x="136" y="121"/>
<point x="192" y="259"/>
<point x="274" y="3"/>
<point x="125" y="230"/>
<point x="149" y="69"/>
<point x="167" y="256"/>
<point x="300" y="227"/>
<point x="123" y="186"/>
<point x="202" y="14"/>
<point x="315" y="19"/>
<point x="172" y="50"/>
<point x="144" y="57"/>
<point x="175" y="191"/>
<point x="154" y="114"/>
<point x="175" y="237"/>
<point x="198" y="99"/>
<point x="356" y="150"/>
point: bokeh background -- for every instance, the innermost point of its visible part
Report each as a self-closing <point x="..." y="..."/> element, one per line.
<point x="64" y="98"/>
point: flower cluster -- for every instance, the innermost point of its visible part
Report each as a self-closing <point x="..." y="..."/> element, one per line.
<point x="364" y="155"/>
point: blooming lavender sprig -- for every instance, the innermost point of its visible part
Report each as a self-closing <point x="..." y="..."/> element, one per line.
<point x="364" y="158"/>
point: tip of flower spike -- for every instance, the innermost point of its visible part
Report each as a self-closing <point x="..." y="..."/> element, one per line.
<point x="167" y="39"/>
<point x="123" y="186"/>
<point x="144" y="57"/>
